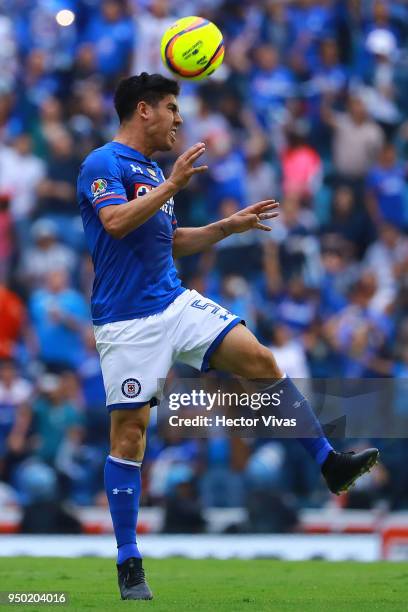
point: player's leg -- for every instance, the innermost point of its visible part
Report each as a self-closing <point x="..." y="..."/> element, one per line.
<point x="209" y="336"/>
<point x="128" y="433"/>
<point x="122" y="475"/>
<point x="123" y="488"/>
<point x="133" y="359"/>
<point x="240" y="353"/>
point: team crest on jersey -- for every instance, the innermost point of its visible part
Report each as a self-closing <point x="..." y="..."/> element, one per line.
<point x="98" y="187"/>
<point x="141" y="189"/>
<point x="131" y="387"/>
<point x="152" y="174"/>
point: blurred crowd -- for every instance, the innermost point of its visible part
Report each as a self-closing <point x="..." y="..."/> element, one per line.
<point x="309" y="107"/>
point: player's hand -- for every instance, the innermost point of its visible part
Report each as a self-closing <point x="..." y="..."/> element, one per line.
<point x="183" y="168"/>
<point x="251" y="217"/>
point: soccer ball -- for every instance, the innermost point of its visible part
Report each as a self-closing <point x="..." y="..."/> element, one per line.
<point x="192" y="48"/>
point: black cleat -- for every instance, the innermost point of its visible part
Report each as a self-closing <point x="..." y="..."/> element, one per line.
<point x="131" y="580"/>
<point x="341" y="470"/>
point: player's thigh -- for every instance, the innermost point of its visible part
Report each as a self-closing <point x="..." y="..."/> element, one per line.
<point x="242" y="354"/>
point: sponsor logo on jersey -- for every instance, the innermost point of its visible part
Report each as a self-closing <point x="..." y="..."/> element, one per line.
<point x="98" y="187"/>
<point x="136" y="168"/>
<point x="131" y="387"/>
<point x="141" y="189"/>
<point x="168" y="207"/>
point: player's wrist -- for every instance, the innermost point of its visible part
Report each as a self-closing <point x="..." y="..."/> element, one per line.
<point x="173" y="185"/>
<point x="226" y="228"/>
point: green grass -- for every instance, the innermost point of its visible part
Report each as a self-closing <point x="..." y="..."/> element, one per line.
<point x="216" y="586"/>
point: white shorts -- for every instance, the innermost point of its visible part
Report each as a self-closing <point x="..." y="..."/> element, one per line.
<point x="136" y="355"/>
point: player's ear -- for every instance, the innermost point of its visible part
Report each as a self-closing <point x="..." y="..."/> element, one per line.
<point x="143" y="109"/>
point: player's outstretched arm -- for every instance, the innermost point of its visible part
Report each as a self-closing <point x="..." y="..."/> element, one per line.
<point x="190" y="240"/>
<point x="119" y="221"/>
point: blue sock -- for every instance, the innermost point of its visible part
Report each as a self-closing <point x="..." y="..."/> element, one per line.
<point x="294" y="405"/>
<point x="122" y="486"/>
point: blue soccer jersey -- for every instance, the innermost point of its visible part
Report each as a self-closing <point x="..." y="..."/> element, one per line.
<point x="134" y="276"/>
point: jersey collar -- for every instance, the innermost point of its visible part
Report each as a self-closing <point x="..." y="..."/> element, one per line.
<point x="132" y="153"/>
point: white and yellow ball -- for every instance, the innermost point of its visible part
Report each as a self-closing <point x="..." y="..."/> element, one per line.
<point x="192" y="48"/>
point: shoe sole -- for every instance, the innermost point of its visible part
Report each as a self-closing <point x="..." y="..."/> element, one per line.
<point x="134" y="593"/>
<point x="146" y="597"/>
<point x="364" y="470"/>
<point x="136" y="598"/>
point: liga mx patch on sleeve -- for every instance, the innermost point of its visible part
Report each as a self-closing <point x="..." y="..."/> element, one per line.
<point x="99" y="187"/>
<point x="100" y="193"/>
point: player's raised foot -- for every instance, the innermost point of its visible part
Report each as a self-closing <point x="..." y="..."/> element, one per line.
<point x="341" y="470"/>
<point x="131" y="580"/>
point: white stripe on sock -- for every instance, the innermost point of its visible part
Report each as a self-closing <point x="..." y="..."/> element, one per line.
<point x="126" y="461"/>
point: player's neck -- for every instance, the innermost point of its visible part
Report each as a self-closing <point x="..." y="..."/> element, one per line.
<point x="134" y="141"/>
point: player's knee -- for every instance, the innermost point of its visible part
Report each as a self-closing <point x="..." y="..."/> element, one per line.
<point x="260" y="363"/>
<point x="128" y="440"/>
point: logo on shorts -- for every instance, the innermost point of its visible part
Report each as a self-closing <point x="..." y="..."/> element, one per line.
<point x="131" y="387"/>
<point x="98" y="187"/>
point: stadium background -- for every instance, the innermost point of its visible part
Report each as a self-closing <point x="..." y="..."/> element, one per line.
<point x="310" y="107"/>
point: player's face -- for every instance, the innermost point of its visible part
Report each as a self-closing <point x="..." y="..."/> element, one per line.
<point x="165" y="122"/>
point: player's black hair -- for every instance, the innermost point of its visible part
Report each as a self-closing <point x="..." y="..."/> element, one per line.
<point x="150" y="88"/>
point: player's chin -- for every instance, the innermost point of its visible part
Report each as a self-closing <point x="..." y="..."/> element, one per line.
<point x="169" y="143"/>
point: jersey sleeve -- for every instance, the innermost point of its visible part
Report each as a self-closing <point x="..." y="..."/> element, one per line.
<point x="101" y="181"/>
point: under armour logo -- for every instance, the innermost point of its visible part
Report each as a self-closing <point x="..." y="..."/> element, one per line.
<point x="224" y="317"/>
<point x="136" y="168"/>
<point x="129" y="491"/>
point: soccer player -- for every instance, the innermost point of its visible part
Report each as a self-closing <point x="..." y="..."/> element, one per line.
<point x="145" y="320"/>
